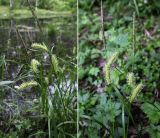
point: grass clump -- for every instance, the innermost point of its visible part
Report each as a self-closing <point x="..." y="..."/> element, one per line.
<point x="54" y="105"/>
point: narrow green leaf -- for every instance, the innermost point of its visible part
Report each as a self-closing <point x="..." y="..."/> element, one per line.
<point x="2" y="83"/>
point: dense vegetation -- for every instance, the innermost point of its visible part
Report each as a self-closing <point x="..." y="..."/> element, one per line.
<point x="37" y="71"/>
<point x="20" y="9"/>
<point x="57" y="5"/>
<point x="118" y="69"/>
<point x="119" y="76"/>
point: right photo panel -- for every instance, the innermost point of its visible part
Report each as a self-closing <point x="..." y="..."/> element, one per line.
<point x="118" y="69"/>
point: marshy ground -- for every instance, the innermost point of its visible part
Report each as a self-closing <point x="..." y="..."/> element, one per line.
<point x="46" y="104"/>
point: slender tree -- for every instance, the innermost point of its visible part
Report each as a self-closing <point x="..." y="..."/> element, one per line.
<point x="11" y="4"/>
<point x="36" y="4"/>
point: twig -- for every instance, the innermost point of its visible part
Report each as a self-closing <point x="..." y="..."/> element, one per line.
<point x="23" y="43"/>
<point x="34" y="15"/>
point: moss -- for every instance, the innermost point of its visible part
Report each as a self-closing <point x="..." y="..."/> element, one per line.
<point x="26" y="13"/>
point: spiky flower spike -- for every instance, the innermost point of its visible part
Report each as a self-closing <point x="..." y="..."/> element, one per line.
<point x="131" y="79"/>
<point x="34" y="64"/>
<point x="108" y="65"/>
<point x="26" y="85"/>
<point x="135" y="91"/>
<point x="107" y="74"/>
<point x="40" y="47"/>
<point x="54" y="63"/>
<point x="112" y="58"/>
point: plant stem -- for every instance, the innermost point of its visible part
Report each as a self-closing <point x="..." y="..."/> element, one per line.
<point x="133" y="34"/>
<point x="102" y="26"/>
<point x="125" y="103"/>
<point x="24" y="44"/>
<point x="123" y="122"/>
<point x="49" y="123"/>
<point x="136" y="6"/>
<point x="2" y="71"/>
<point x="133" y="39"/>
<point x="34" y="15"/>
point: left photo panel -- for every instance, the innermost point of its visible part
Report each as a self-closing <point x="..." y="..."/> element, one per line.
<point x="38" y="68"/>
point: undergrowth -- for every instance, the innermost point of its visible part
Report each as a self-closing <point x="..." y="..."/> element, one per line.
<point x="118" y="69"/>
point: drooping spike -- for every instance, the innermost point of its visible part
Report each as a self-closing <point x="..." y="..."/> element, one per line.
<point x="34" y="64"/>
<point x="41" y="47"/>
<point x="135" y="91"/>
<point x="26" y="85"/>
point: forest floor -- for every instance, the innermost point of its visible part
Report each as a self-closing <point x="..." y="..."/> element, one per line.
<point x="134" y="35"/>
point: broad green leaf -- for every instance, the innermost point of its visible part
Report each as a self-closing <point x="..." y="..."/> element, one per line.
<point x="122" y="40"/>
<point x="152" y="112"/>
<point x="94" y="71"/>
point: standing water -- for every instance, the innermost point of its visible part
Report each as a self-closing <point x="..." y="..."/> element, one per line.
<point x="17" y="36"/>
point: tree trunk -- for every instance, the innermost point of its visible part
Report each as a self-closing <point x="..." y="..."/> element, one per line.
<point x="36" y="4"/>
<point x="11" y="4"/>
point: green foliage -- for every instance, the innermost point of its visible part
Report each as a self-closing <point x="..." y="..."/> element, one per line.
<point x="94" y="71"/>
<point x="140" y="61"/>
<point x="103" y="108"/>
<point x="52" y="113"/>
<point x="56" y="104"/>
<point x="58" y="5"/>
<point x="106" y="111"/>
<point x="152" y="112"/>
<point x="4" y="2"/>
<point x="46" y="4"/>
<point x="101" y="112"/>
<point x="154" y="131"/>
<point x="53" y="5"/>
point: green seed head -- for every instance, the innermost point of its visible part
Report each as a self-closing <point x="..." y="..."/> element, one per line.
<point x="26" y="85"/>
<point x="112" y="59"/>
<point x="135" y="91"/>
<point x="107" y="74"/>
<point x="34" y="64"/>
<point x="131" y="79"/>
<point x="40" y="47"/>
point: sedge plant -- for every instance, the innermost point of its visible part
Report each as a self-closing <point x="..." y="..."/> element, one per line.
<point x="126" y="100"/>
<point x="57" y="90"/>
